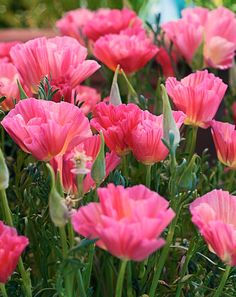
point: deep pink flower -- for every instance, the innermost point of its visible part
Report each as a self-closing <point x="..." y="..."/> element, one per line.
<point x="220" y="38"/>
<point x="186" y="35"/>
<point x="116" y="123"/>
<point x="131" y="49"/>
<point x="86" y="96"/>
<point x="214" y="215"/>
<point x="61" y="59"/>
<point x="72" y="23"/>
<point x="198" y="95"/>
<point x="110" y="21"/>
<point x="45" y="128"/>
<point x="128" y="222"/>
<point x="11" y="247"/>
<point x="8" y="85"/>
<point x="146" y="138"/>
<point x="234" y="112"/>
<point x="164" y="59"/>
<point x="87" y="152"/>
<point x="224" y="136"/>
<point x="5" y="48"/>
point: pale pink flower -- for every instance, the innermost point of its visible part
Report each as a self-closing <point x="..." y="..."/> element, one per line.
<point x="127" y="222"/>
<point x="11" y="247"/>
<point x="220" y="38"/>
<point x="214" y="215"/>
<point x="116" y="123"/>
<point x="186" y="35"/>
<point x="131" y="49"/>
<point x="45" y="128"/>
<point x="198" y="14"/>
<point x="224" y="136"/>
<point x="61" y="59"/>
<point x="72" y="23"/>
<point x="8" y="85"/>
<point x="198" y="95"/>
<point x="89" y="150"/>
<point x="146" y="137"/>
<point x="110" y="21"/>
<point x="87" y="96"/>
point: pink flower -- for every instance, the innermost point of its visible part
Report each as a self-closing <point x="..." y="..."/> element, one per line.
<point x="164" y="59"/>
<point x="12" y="246"/>
<point x="198" y="14"/>
<point x="198" y="95"/>
<point x="87" y="150"/>
<point x="62" y="59"/>
<point x="128" y="222"/>
<point x="214" y="215"/>
<point x="45" y="128"/>
<point x="8" y="85"/>
<point x="186" y="35"/>
<point x="73" y="22"/>
<point x="86" y="96"/>
<point x="110" y="21"/>
<point x="220" y="38"/>
<point x="5" y="50"/>
<point x="131" y="49"/>
<point x="116" y="123"/>
<point x="234" y="111"/>
<point x="147" y="145"/>
<point x="224" y="136"/>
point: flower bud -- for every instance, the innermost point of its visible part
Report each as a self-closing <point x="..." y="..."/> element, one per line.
<point x="99" y="168"/>
<point x="4" y="173"/>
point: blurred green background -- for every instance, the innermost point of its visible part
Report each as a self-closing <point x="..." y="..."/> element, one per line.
<point x="42" y="14"/>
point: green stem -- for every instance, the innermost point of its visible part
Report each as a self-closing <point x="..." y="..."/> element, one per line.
<point x="120" y="280"/>
<point x="223" y="281"/>
<point x="129" y="281"/>
<point x="8" y="218"/>
<point x="64" y="247"/>
<point x="88" y="272"/>
<point x="231" y="180"/>
<point x="71" y="234"/>
<point x="185" y="266"/>
<point x="3" y="290"/>
<point x="82" y="292"/>
<point x="191" y="144"/>
<point x="2" y="139"/>
<point x="148" y="175"/>
<point x="124" y="164"/>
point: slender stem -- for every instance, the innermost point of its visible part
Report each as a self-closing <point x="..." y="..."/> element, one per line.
<point x="223" y="281"/>
<point x="64" y="247"/>
<point x="120" y="280"/>
<point x="3" y="290"/>
<point x="148" y="175"/>
<point x="2" y="139"/>
<point x="231" y="180"/>
<point x="162" y="259"/>
<point x="87" y="275"/>
<point x="8" y="218"/>
<point x="129" y="281"/>
<point x="185" y="266"/>
<point x="191" y="144"/>
<point x="82" y="292"/>
<point x="71" y="234"/>
<point x="124" y="164"/>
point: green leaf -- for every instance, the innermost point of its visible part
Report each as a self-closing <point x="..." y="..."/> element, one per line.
<point x="23" y="94"/>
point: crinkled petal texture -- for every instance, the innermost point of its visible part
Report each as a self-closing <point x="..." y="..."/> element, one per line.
<point x="146" y="137"/>
<point x="86" y="98"/>
<point x="116" y="123"/>
<point x="8" y="85"/>
<point x="127" y="222"/>
<point x="220" y="38"/>
<point x="73" y="22"/>
<point x="64" y="164"/>
<point x="61" y="59"/>
<point x="110" y="21"/>
<point x="198" y="95"/>
<point x="186" y="35"/>
<point x="214" y="215"/>
<point x="224" y="136"/>
<point x="45" y="128"/>
<point x="11" y="247"/>
<point x="131" y="49"/>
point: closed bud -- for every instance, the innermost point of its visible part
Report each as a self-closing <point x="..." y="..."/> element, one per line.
<point x="58" y="210"/>
<point x="4" y="173"/>
<point x="99" y="167"/>
<point x="115" y="92"/>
